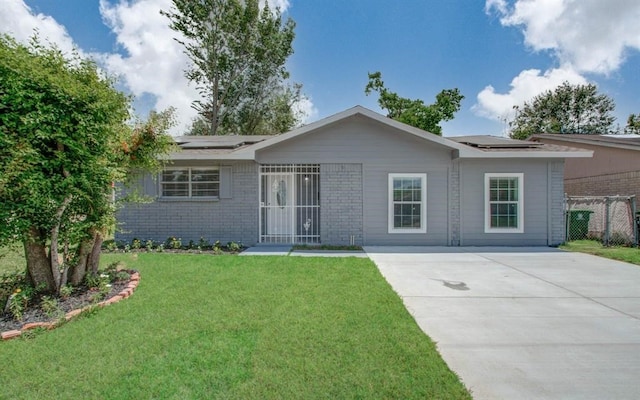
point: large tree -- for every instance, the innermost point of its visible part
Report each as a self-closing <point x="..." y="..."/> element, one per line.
<point x="238" y="53"/>
<point x="64" y="142"/>
<point x="415" y="112"/>
<point x="633" y="124"/>
<point x="566" y="109"/>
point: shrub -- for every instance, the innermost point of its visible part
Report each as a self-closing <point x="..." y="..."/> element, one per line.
<point x="234" y="247"/>
<point x="8" y="284"/>
<point x="50" y="307"/>
<point x="174" y="243"/>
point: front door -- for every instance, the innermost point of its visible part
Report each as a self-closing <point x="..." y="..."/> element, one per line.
<point x="280" y="204"/>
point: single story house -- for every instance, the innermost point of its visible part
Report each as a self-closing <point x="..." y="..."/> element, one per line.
<point x="614" y="169"/>
<point x="360" y="178"/>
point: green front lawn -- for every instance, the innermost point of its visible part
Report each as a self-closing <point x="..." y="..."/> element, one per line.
<point x="257" y="327"/>
<point x="627" y="254"/>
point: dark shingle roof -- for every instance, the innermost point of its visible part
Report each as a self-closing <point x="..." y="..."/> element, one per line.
<point x="631" y="142"/>
<point x="219" y="142"/>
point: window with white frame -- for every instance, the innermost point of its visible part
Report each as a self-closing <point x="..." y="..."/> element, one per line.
<point x="407" y="203"/>
<point x="504" y="205"/>
<point x="190" y="182"/>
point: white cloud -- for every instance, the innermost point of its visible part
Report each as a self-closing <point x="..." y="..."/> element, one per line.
<point x="306" y="109"/>
<point x="18" y="20"/>
<point x="153" y="62"/>
<point x="584" y="36"/>
<point x="524" y="87"/>
<point x="591" y="35"/>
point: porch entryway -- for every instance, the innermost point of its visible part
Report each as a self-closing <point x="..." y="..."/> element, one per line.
<point x="290" y="203"/>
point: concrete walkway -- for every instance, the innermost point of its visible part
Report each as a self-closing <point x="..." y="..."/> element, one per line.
<point x="287" y="251"/>
<point x="525" y="323"/>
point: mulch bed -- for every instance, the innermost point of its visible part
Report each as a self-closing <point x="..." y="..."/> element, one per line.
<point x="81" y="297"/>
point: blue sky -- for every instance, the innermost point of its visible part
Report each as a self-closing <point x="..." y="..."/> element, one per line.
<point x="499" y="53"/>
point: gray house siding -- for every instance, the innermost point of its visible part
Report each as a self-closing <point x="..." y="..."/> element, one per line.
<point x="557" y="233"/>
<point x="234" y="217"/>
<point x="355" y="156"/>
<point x="379" y="150"/>
<point x="540" y="205"/>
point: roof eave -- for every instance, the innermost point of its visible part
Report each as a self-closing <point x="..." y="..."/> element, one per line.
<point x="530" y="154"/>
<point x="214" y="157"/>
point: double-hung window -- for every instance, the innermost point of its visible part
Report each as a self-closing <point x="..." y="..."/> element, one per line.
<point x="407" y="203"/>
<point x="504" y="206"/>
<point x="190" y="182"/>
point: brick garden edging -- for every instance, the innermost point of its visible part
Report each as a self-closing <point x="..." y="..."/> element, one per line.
<point x="134" y="280"/>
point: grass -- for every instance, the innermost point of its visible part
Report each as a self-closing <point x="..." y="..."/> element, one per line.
<point x="627" y="254"/>
<point x="234" y="327"/>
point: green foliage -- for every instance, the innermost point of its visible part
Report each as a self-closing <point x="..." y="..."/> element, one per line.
<point x="11" y="258"/>
<point x="567" y="109"/>
<point x="64" y="141"/>
<point x="173" y="243"/>
<point x="633" y="124"/>
<point x="19" y="300"/>
<point x="66" y="291"/>
<point x="9" y="283"/>
<point x="238" y="53"/>
<point x="149" y="245"/>
<point x="50" y="307"/>
<point x="234" y="247"/>
<point x="100" y="284"/>
<point x="415" y="112"/>
<point x="92" y="281"/>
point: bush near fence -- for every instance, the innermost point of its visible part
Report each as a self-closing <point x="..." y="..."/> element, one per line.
<point x="611" y="219"/>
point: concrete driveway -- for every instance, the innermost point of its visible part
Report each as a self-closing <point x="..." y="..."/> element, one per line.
<point x="524" y="323"/>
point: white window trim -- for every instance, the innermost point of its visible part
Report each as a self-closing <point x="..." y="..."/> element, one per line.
<point x="487" y="203"/>
<point x="423" y="204"/>
<point x="189" y="182"/>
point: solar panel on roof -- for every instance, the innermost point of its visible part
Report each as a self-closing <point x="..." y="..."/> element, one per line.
<point x="494" y="142"/>
<point x="218" y="142"/>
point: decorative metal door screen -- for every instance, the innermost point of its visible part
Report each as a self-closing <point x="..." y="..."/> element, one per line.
<point x="290" y="203"/>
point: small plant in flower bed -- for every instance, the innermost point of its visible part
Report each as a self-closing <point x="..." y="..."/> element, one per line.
<point x="173" y="244"/>
<point x="136" y="244"/>
<point x="234" y="247"/>
<point x="21" y="303"/>
<point x="14" y="293"/>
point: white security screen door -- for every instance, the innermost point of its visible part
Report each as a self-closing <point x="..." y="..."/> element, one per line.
<point x="280" y="204"/>
<point x="290" y="203"/>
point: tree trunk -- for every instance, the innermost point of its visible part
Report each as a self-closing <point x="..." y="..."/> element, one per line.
<point x="93" y="262"/>
<point x="77" y="272"/>
<point x="38" y="264"/>
<point x="88" y="257"/>
<point x="53" y="249"/>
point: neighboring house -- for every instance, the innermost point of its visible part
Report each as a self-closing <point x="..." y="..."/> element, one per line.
<point x="356" y="177"/>
<point x="613" y="170"/>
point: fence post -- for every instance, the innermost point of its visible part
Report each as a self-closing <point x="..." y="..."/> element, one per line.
<point x="607" y="221"/>
<point x="567" y="220"/>
<point x="633" y="221"/>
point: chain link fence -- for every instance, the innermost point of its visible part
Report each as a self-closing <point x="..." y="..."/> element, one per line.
<point x="609" y="219"/>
